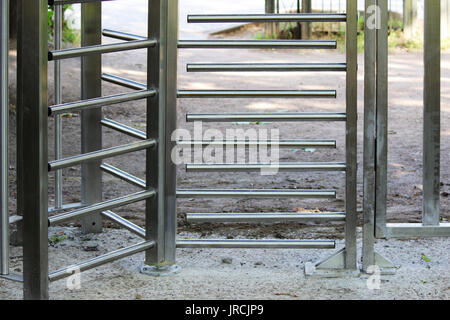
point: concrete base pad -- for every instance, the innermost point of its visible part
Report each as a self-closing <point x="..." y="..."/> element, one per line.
<point x="160" y="271"/>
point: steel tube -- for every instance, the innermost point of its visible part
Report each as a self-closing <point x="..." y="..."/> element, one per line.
<point x="161" y="116"/>
<point x="99" y="102"/>
<point x="58" y="100"/>
<point x="121" y="35"/>
<point x="257" y="44"/>
<point x="102" y="206"/>
<point x="277" y="217"/>
<point x="128" y="225"/>
<point x="416" y="230"/>
<point x="256" y="93"/>
<point x="351" y="140"/>
<point x="251" y="167"/>
<point x="370" y="107"/>
<point x="101" y="154"/>
<point x="255" y="143"/>
<point x="125" y="176"/>
<point x="4" y="124"/>
<point x="32" y="144"/>
<point x="100" y="49"/>
<point x="266" y="67"/>
<point x="127" y="83"/>
<point x="257" y="244"/>
<point x="271" y="117"/>
<point x="432" y="114"/>
<point x="122" y="128"/>
<point x="100" y="260"/>
<point x="382" y="125"/>
<point x="269" y="193"/>
<point x="249" y="18"/>
<point x="91" y="128"/>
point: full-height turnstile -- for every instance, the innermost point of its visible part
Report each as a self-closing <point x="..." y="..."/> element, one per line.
<point x="34" y="112"/>
<point x="345" y="259"/>
<point x="160" y="92"/>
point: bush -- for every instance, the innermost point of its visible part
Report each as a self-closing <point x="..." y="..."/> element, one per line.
<point x="69" y="34"/>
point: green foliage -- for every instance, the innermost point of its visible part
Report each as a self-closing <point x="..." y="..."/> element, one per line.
<point x="69" y="34"/>
<point x="58" y="238"/>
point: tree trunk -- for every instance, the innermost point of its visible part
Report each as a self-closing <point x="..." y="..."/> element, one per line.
<point x="306" y="26"/>
<point x="269" y="27"/>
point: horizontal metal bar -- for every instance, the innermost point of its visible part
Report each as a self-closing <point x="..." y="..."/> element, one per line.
<point x="265" y="67"/>
<point x="122" y="128"/>
<point x="121" y="35"/>
<point x="257" y="44"/>
<point x="256" y="93"/>
<point x="100" y="49"/>
<point x="100" y="260"/>
<point x="125" y="176"/>
<point x="260" y="193"/>
<point x="101" y="154"/>
<point x="63" y="2"/>
<point x="66" y="207"/>
<point x="128" y="225"/>
<point x="276" y="217"/>
<point x="249" y="18"/>
<point x="416" y="230"/>
<point x="248" y="143"/>
<point x="257" y="244"/>
<point x="250" y="167"/>
<point x="12" y="277"/>
<point x="227" y="93"/>
<point x="102" y="206"/>
<point x="271" y="117"/>
<point x="99" y="102"/>
<point x="124" y="82"/>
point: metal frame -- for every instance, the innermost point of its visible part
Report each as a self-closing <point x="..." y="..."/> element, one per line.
<point x="33" y="112"/>
<point x="376" y="137"/>
<point x="347" y="259"/>
<point x="348" y="256"/>
<point x="4" y="116"/>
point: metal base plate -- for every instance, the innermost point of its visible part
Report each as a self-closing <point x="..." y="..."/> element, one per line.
<point x="332" y="267"/>
<point x="385" y="266"/>
<point x="160" y="271"/>
<point x="12" y="277"/>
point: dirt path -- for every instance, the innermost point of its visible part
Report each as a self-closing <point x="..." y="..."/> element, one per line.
<point x="405" y="135"/>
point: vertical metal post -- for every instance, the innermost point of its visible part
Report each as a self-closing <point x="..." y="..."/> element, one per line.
<point x="91" y="129"/>
<point x="32" y="142"/>
<point x="306" y="26"/>
<point x="4" y="115"/>
<point x="432" y="114"/>
<point x="269" y="27"/>
<point x="58" y="99"/>
<point x="370" y="54"/>
<point x="381" y="130"/>
<point x="161" y="122"/>
<point x="351" y="135"/>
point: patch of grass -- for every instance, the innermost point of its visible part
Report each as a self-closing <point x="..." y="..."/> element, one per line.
<point x="262" y="36"/>
<point x="57" y="238"/>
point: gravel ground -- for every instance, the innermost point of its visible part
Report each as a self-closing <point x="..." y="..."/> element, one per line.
<point x="251" y="274"/>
